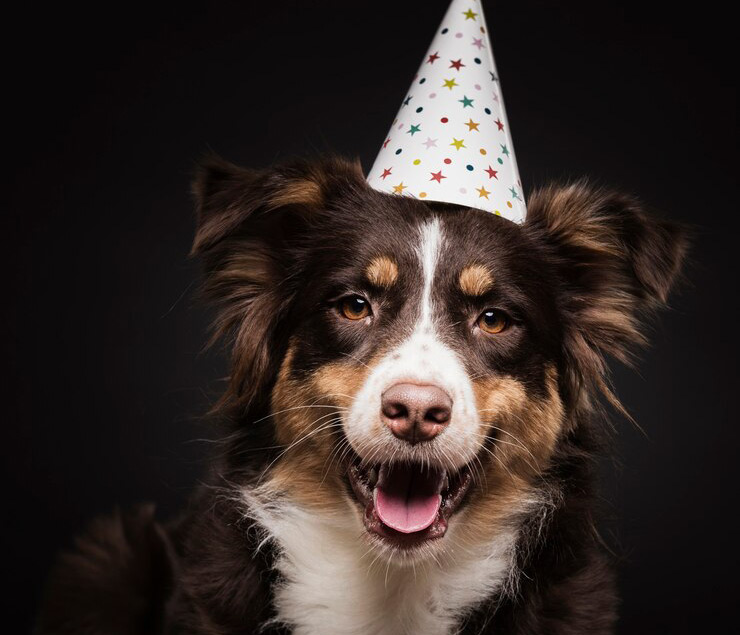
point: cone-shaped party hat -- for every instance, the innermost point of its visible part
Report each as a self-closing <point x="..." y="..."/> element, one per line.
<point x="450" y="141"/>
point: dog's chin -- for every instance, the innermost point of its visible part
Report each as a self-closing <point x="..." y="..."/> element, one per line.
<point x="407" y="507"/>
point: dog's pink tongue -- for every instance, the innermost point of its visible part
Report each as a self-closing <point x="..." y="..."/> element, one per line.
<point x="407" y="499"/>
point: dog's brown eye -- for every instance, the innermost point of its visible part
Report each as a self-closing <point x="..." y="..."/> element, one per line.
<point x="493" y="321"/>
<point x="354" y="307"/>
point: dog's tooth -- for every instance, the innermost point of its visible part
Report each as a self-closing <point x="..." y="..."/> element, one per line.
<point x="372" y="477"/>
<point x="446" y="482"/>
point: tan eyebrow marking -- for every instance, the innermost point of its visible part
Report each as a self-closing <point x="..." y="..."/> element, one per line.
<point x="475" y="280"/>
<point x="382" y="272"/>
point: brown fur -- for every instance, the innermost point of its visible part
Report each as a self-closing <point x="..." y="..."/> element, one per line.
<point x="306" y="413"/>
<point x="621" y="263"/>
<point x="115" y="581"/>
<point x="242" y="272"/>
<point x="527" y="431"/>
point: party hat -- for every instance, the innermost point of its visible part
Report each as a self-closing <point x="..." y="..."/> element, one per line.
<point x="451" y="141"/>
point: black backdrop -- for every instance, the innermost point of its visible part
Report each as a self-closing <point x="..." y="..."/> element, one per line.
<point x="110" y="107"/>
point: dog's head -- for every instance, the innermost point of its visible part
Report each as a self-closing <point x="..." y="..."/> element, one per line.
<point x="419" y="364"/>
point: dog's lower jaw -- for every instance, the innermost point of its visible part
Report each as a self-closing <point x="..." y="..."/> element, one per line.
<point x="334" y="582"/>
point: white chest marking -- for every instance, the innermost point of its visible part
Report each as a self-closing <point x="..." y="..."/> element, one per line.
<point x="331" y="584"/>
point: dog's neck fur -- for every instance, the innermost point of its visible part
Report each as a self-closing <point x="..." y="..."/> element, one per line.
<point x="331" y="583"/>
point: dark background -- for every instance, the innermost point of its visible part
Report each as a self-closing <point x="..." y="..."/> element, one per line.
<point x="109" y="108"/>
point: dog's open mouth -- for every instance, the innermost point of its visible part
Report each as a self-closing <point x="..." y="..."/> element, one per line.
<point x="406" y="503"/>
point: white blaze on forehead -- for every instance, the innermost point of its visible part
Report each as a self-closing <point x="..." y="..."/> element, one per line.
<point x="429" y="251"/>
<point x="422" y="358"/>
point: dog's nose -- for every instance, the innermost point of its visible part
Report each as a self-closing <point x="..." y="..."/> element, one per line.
<point x="415" y="412"/>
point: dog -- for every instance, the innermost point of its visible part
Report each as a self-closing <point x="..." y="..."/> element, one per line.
<point x="411" y="420"/>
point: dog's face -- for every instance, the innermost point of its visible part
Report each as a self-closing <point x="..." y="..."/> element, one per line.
<point x="433" y="338"/>
<point x="421" y="364"/>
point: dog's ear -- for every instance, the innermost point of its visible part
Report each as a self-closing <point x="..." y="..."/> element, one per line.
<point x="248" y="222"/>
<point x="617" y="263"/>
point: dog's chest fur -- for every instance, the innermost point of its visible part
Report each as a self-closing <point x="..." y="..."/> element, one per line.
<point x="330" y="583"/>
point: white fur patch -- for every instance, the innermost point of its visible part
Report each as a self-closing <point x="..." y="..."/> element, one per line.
<point x="429" y="250"/>
<point x="333" y="585"/>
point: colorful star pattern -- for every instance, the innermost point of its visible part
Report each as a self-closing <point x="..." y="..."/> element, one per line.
<point x="456" y="130"/>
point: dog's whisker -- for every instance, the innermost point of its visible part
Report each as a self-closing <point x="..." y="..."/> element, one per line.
<point x="339" y="449"/>
<point x="484" y="482"/>
<point x="305" y="437"/>
<point x="292" y="408"/>
<point x="359" y="361"/>
<point x="535" y="468"/>
<point x="513" y="436"/>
